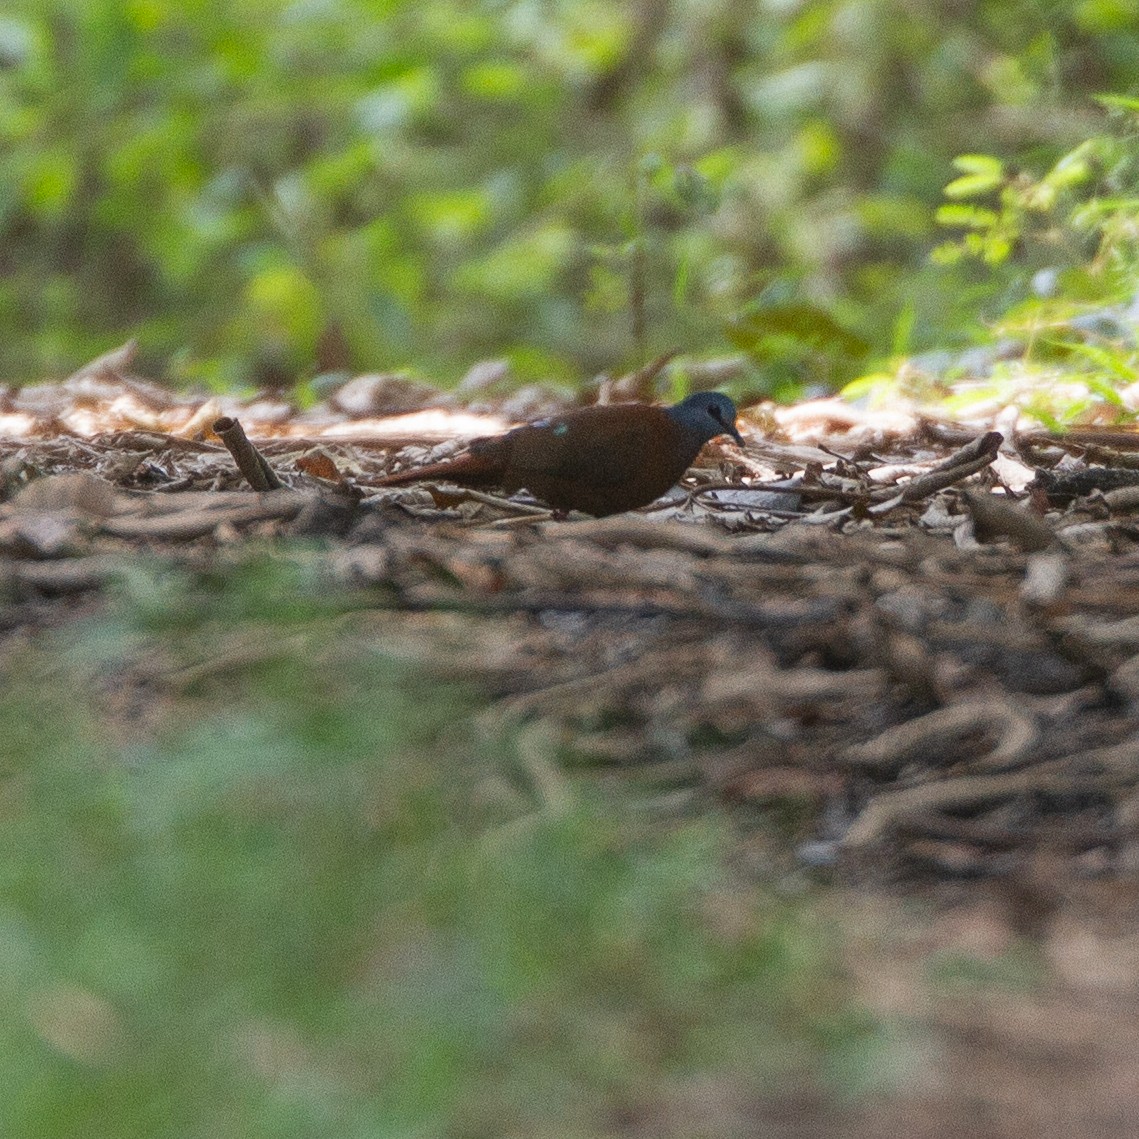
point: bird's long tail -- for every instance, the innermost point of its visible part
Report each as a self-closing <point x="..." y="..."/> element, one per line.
<point x="466" y="470"/>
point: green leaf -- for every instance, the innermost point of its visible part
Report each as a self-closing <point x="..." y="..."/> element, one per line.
<point x="285" y="303"/>
<point x="996" y="249"/>
<point x="50" y="185"/>
<point x="870" y="384"/>
<point x="1113" y="363"/>
<point x="495" y="79"/>
<point x="525" y="265"/>
<point x="451" y="217"/>
<point x="979" y="164"/>
<point x="1072" y="169"/>
<point x="904" y="329"/>
<point x="1118" y="102"/>
<point x="947" y="253"/>
<point x="801" y="323"/>
<point x="972" y="185"/>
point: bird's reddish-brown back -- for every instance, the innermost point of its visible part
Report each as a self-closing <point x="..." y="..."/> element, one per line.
<point x="600" y="460"/>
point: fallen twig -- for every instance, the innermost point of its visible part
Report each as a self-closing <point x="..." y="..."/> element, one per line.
<point x="430" y="596"/>
<point x="930" y="736"/>
<point x="887" y="812"/>
<point x="250" y="462"/>
<point x="186" y="525"/>
<point x="1093" y="771"/>
<point x="67" y="575"/>
<point x="984" y="445"/>
<point x="929" y="483"/>
<point x="500" y="502"/>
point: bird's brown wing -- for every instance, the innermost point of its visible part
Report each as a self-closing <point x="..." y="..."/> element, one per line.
<point x="601" y="445"/>
<point x="601" y="460"/>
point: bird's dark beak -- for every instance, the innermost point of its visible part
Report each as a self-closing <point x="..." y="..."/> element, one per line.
<point x="730" y="429"/>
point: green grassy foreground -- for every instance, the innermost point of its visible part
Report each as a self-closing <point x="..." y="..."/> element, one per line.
<point x="296" y="897"/>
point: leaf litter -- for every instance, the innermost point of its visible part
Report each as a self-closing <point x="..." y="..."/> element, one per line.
<point x="902" y="653"/>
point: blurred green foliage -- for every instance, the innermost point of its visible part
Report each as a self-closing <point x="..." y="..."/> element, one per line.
<point x="1060" y="251"/>
<point x="251" y="883"/>
<point x="268" y="188"/>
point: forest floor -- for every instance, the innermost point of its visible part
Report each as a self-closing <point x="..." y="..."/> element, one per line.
<point x="902" y="656"/>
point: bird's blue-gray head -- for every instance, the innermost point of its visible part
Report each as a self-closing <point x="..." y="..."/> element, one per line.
<point x="705" y="415"/>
